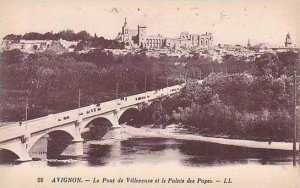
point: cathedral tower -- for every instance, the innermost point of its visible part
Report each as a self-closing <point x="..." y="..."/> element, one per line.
<point x="125" y="34"/>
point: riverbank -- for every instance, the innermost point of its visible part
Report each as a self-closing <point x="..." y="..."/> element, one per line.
<point x="131" y="132"/>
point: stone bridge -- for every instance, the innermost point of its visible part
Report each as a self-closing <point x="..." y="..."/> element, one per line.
<point x="20" y="138"/>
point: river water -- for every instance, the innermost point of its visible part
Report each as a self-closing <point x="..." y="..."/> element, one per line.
<point x="158" y="159"/>
<point x="186" y="153"/>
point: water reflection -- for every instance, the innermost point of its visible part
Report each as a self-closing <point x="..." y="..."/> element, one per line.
<point x="205" y="154"/>
<point x="150" y="150"/>
<point x="182" y="152"/>
<point x="98" y="154"/>
<point x="187" y="153"/>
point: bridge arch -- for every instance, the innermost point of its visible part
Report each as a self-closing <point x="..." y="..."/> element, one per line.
<point x="96" y="128"/>
<point x="35" y="137"/>
<point x="50" y="144"/>
<point x="128" y="114"/>
<point x="8" y="155"/>
<point x="100" y="119"/>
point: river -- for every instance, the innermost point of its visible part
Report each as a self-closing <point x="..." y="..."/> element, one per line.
<point x="158" y="159"/>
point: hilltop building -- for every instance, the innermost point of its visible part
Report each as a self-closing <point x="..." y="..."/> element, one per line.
<point x="191" y="40"/>
<point x="249" y="44"/>
<point x="139" y="38"/>
<point x="33" y="46"/>
<point x="288" y="41"/>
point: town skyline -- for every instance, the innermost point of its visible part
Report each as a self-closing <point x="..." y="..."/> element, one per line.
<point x="261" y="22"/>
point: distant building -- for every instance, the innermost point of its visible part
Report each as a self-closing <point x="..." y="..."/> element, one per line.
<point x="288" y="41"/>
<point x="191" y="40"/>
<point x="33" y="46"/>
<point x="129" y="37"/>
<point x="249" y="44"/>
<point x="29" y="46"/>
<point x="139" y="38"/>
<point x="67" y="44"/>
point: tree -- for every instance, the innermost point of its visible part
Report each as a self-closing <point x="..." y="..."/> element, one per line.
<point x="10" y="57"/>
<point x="67" y="35"/>
<point x="82" y="35"/>
<point x="12" y="37"/>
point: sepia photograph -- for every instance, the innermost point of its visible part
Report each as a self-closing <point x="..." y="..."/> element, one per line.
<point x="167" y="94"/>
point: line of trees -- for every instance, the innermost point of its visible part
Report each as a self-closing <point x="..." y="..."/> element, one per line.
<point x="51" y="82"/>
<point x="68" y="35"/>
<point x="239" y="105"/>
<point x="86" y="40"/>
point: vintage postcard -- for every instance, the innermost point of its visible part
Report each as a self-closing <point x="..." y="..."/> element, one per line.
<point x="170" y="93"/>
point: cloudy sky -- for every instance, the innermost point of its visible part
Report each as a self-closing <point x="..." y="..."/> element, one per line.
<point x="230" y="21"/>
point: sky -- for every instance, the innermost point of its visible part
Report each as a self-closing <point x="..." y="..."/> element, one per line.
<point x="230" y="21"/>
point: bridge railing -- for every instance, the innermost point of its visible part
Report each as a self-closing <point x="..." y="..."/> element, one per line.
<point x="57" y="119"/>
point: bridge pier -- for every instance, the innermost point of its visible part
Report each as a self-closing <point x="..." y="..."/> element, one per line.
<point x="78" y="147"/>
<point x="147" y="98"/>
<point x="115" y="120"/>
<point x="75" y="148"/>
<point x="24" y="150"/>
<point x="24" y="157"/>
<point x="77" y="142"/>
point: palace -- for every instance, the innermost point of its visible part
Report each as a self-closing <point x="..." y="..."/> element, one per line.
<point x="139" y="38"/>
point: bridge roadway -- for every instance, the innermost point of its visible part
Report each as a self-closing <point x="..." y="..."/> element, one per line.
<point x="19" y="139"/>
